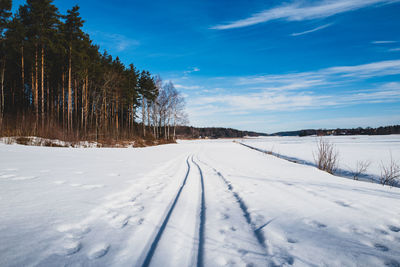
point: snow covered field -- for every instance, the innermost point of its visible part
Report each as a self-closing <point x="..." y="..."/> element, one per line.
<point x="204" y="203"/>
<point x="373" y="149"/>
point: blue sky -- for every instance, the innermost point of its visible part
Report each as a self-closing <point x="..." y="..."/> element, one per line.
<point x="262" y="65"/>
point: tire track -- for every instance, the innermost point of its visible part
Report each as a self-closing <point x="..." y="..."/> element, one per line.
<point x="246" y="214"/>
<point x="278" y="257"/>
<point x="200" y="251"/>
<point x="153" y="246"/>
<point x="198" y="211"/>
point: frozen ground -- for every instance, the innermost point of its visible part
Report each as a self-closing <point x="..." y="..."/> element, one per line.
<point x="204" y="203"/>
<point x="374" y="149"/>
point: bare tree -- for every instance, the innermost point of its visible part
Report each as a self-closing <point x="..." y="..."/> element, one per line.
<point x="390" y="172"/>
<point x="361" y="168"/>
<point x="326" y="156"/>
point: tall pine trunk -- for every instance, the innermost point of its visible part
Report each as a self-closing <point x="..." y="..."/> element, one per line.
<point x="22" y="74"/>
<point x="36" y="88"/>
<point x="63" y="98"/>
<point x="42" y="87"/>
<point x="3" y="68"/>
<point x="69" y="90"/>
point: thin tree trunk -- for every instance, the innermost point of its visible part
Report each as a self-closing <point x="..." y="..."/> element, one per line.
<point x="76" y="103"/>
<point x="148" y="117"/>
<point x="22" y="73"/>
<point x="36" y="88"/>
<point x="86" y="101"/>
<point x="116" y="116"/>
<point x="3" y="68"/>
<point x="174" y="130"/>
<point x="69" y="90"/>
<point x="42" y="87"/>
<point x="143" y="117"/>
<point x="63" y="98"/>
<point x="83" y="102"/>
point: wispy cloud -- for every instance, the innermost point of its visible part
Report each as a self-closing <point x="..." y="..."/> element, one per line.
<point x="395" y="49"/>
<point x="290" y="101"/>
<point x="332" y="75"/>
<point x="384" y="42"/>
<point x="193" y="69"/>
<point x="312" y="30"/>
<point x="300" y="91"/>
<point x="187" y="87"/>
<point x="298" y="11"/>
<point x="114" y="41"/>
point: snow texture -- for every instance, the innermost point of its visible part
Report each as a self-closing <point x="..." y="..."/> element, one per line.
<point x="196" y="203"/>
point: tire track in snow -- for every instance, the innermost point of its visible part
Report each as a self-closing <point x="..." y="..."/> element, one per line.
<point x="257" y="231"/>
<point x="201" y="224"/>
<point x="276" y="259"/>
<point x="153" y="246"/>
<point x="200" y="252"/>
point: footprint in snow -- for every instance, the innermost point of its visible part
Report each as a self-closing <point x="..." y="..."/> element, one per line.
<point x="382" y="232"/>
<point x="140" y="221"/>
<point x="120" y="221"/>
<point x="315" y="224"/>
<point x="343" y="204"/>
<point x="223" y="216"/>
<point x="75" y="230"/>
<point x="292" y="240"/>
<point x="72" y="247"/>
<point x="392" y="263"/>
<point x="98" y="251"/>
<point x="394" y="228"/>
<point x="381" y="247"/>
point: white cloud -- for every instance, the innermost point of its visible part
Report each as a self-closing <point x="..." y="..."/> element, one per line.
<point x="376" y="69"/>
<point x="300" y="10"/>
<point x="312" y="30"/>
<point x="290" y="101"/>
<point x="193" y="69"/>
<point x="384" y="42"/>
<point x="115" y="41"/>
<point x="187" y="87"/>
<point x="395" y="49"/>
<point x="327" y="76"/>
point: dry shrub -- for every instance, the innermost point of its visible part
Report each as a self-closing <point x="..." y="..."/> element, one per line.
<point x="361" y="168"/>
<point x="390" y="172"/>
<point x="326" y="156"/>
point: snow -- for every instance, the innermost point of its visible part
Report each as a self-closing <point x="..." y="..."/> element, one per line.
<point x="377" y="150"/>
<point x="204" y="203"/>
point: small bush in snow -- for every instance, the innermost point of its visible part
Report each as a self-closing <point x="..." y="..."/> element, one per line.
<point x="390" y="172"/>
<point x="361" y="168"/>
<point x="326" y="156"/>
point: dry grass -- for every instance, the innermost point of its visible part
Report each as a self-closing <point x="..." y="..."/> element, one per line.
<point x="361" y="169"/>
<point x="326" y="156"/>
<point x="390" y="173"/>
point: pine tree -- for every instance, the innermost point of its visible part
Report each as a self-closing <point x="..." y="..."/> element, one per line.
<point x="5" y="8"/>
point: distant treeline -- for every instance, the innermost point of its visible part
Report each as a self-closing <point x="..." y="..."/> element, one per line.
<point x="394" y="129"/>
<point x="55" y="83"/>
<point x="186" y="132"/>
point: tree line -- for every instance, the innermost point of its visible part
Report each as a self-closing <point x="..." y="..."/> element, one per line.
<point x="56" y="83"/>
<point x="383" y="130"/>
